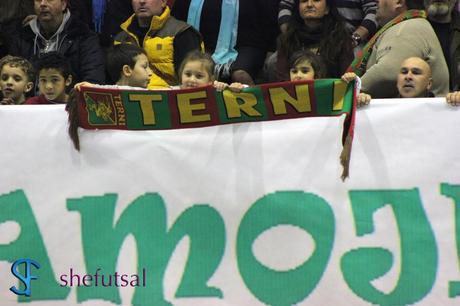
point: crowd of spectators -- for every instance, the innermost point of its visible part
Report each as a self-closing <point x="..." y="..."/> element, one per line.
<point x="403" y="48"/>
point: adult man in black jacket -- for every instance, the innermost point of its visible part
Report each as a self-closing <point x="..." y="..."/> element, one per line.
<point x="445" y="20"/>
<point x="54" y="29"/>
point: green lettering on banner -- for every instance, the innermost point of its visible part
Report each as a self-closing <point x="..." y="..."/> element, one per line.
<point x="15" y="207"/>
<point x="304" y="210"/>
<point x="362" y="265"/>
<point x="453" y="192"/>
<point x="145" y="218"/>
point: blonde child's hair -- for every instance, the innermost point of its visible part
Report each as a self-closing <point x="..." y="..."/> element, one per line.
<point x="21" y="63"/>
<point x="204" y="58"/>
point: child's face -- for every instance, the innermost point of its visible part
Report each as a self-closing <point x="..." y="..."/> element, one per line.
<point x="52" y="84"/>
<point x="141" y="73"/>
<point x="14" y="83"/>
<point x="194" y="75"/>
<point x="302" y="71"/>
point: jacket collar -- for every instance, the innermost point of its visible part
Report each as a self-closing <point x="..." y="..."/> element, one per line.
<point x="156" y="23"/>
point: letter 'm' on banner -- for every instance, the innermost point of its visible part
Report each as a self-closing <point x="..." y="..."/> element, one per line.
<point x="145" y="219"/>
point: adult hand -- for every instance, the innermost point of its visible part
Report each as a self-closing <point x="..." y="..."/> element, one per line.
<point x="348" y="77"/>
<point x="453" y="98"/>
<point x="27" y="19"/>
<point x="283" y="27"/>
<point x="363" y="99"/>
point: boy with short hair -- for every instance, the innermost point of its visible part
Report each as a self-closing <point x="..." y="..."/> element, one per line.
<point x="54" y="77"/>
<point x="16" y="79"/>
<point x="127" y="65"/>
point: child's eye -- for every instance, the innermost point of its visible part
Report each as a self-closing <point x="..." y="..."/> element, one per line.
<point x="305" y="70"/>
<point x="4" y="77"/>
<point x="199" y="76"/>
<point x="18" y="79"/>
<point x="188" y="74"/>
<point x="293" y="70"/>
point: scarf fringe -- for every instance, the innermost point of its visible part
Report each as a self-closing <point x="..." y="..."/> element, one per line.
<point x="345" y="157"/>
<point x="72" y="110"/>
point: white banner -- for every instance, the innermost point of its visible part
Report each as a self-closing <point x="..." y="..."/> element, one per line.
<point x="241" y="214"/>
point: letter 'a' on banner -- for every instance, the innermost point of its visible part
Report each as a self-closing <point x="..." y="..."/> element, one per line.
<point x="109" y="107"/>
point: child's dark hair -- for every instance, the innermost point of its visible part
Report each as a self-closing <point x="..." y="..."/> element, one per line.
<point x="54" y="60"/>
<point x="120" y="55"/>
<point x="204" y="58"/>
<point x="19" y="62"/>
<point x="315" y="61"/>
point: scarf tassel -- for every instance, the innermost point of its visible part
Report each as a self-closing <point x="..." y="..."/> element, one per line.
<point x="345" y="157"/>
<point x="72" y="110"/>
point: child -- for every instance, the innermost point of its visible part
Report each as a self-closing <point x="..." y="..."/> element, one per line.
<point x="197" y="69"/>
<point x="16" y="79"/>
<point x="54" y="77"/>
<point x="305" y="65"/>
<point x="127" y="65"/>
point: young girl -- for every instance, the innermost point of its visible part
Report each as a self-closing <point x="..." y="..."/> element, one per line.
<point x="305" y="65"/>
<point x="197" y="69"/>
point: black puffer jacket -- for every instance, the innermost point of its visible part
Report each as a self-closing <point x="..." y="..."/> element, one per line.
<point x="76" y="42"/>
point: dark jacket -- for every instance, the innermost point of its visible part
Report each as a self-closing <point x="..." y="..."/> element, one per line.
<point x="76" y="42"/>
<point x="454" y="52"/>
<point x="256" y="22"/>
<point x="115" y="13"/>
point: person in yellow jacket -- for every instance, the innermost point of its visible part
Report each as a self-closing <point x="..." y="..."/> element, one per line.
<point x="165" y="39"/>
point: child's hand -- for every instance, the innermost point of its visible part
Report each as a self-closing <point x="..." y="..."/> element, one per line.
<point x="363" y="99"/>
<point x="348" y="77"/>
<point x="7" y="101"/>
<point x="236" y="87"/>
<point x="78" y="85"/>
<point x="453" y="98"/>
<point x="219" y="86"/>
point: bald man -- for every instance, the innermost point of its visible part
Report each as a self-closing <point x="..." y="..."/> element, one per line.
<point x="414" y="78"/>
